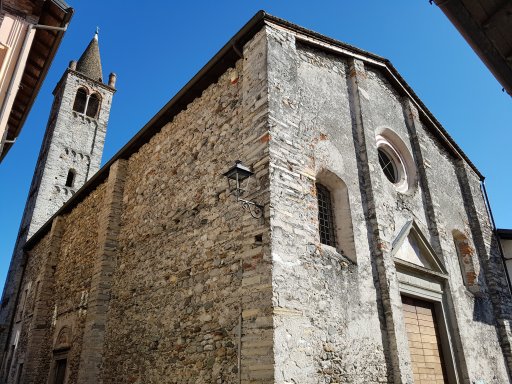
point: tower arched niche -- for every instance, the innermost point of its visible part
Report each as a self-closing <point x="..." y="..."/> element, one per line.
<point x="93" y="105"/>
<point x="70" y="179"/>
<point x="342" y="216"/>
<point x="80" y="100"/>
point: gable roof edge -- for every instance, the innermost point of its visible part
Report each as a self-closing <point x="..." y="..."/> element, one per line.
<point x="392" y="74"/>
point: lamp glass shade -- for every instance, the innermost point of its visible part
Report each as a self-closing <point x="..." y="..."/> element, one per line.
<point x="239" y="169"/>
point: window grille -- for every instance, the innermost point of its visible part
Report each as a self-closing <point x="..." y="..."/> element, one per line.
<point x="325" y="216"/>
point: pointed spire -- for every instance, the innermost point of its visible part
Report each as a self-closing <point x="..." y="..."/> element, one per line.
<point x="89" y="64"/>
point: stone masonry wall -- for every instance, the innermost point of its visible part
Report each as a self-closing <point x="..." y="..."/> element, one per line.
<point x="36" y="349"/>
<point x="439" y="206"/>
<point x="74" y="273"/>
<point x="193" y="266"/>
<point x="21" y="327"/>
<point x="188" y="267"/>
<point x="472" y="312"/>
<point x="323" y="301"/>
<point x="59" y="273"/>
<point x="339" y="319"/>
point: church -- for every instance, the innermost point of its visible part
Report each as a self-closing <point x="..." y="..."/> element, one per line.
<point x="295" y="214"/>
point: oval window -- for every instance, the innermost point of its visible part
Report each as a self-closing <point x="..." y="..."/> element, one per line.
<point x="396" y="161"/>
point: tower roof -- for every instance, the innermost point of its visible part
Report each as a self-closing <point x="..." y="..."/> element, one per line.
<point x="89" y="64"/>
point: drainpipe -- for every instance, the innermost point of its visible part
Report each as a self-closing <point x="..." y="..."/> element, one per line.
<point x="491" y="217"/>
<point x="51" y="27"/>
<point x="239" y="335"/>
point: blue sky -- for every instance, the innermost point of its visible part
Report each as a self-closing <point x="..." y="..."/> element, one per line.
<point x="156" y="50"/>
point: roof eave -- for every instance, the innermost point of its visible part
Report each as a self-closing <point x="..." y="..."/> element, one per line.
<point x="15" y="129"/>
<point x="476" y="36"/>
<point x="505" y="234"/>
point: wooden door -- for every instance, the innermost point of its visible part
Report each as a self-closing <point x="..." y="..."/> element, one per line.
<point x="424" y="344"/>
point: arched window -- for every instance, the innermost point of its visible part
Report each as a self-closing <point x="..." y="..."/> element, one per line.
<point x="325" y="216"/>
<point x="80" y="100"/>
<point x="93" y="105"/>
<point x="466" y="257"/>
<point x="334" y="217"/>
<point x="70" y="180"/>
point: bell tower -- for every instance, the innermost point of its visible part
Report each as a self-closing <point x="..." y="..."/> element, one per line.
<point x="74" y="139"/>
<point x="70" y="154"/>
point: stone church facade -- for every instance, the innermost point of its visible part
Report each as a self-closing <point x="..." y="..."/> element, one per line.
<point x="374" y="260"/>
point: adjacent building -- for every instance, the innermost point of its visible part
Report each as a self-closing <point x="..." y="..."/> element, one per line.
<point x="357" y="249"/>
<point x="486" y="26"/>
<point x="30" y="34"/>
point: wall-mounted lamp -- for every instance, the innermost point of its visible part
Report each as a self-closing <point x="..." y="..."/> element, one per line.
<point x="238" y="180"/>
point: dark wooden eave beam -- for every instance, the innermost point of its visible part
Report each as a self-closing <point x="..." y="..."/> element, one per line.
<point x="502" y="13"/>
<point x="476" y="37"/>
